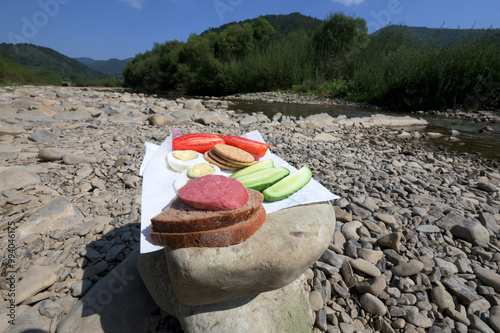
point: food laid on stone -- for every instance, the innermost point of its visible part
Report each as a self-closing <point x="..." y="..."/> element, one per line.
<point x="200" y="142"/>
<point x="211" y="211"/>
<point x="180" y="160"/>
<point x="196" y="171"/>
<point x="262" y="179"/>
<point x="256" y="148"/>
<point x="288" y="185"/>
<point x="229" y="157"/>
<point x="265" y="164"/>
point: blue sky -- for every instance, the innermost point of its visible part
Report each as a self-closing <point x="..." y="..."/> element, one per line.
<point x="103" y="29"/>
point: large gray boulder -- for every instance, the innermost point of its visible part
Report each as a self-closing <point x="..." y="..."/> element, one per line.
<point x="286" y="309"/>
<point x="288" y="243"/>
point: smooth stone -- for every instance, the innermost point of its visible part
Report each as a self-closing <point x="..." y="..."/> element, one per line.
<point x="348" y="274"/>
<point x="342" y="216"/>
<point x="17" y="179"/>
<point x="446" y="265"/>
<point x="457" y="316"/>
<point x="372" y="305"/>
<point x="285" y="309"/>
<point x="331" y="258"/>
<point x="373" y="286"/>
<point x="418" y="319"/>
<point x="442" y="298"/>
<point x="349" y="230"/>
<point x="60" y="213"/>
<point x="52" y="154"/>
<point x="464" y="293"/>
<point x="77" y="159"/>
<point x="386" y="218"/>
<point x="36" y="279"/>
<point x="412" y="267"/>
<point x="427" y="228"/>
<point x="359" y="211"/>
<point x="472" y="232"/>
<point x="365" y="267"/>
<point x="391" y="241"/>
<point x="13" y="130"/>
<point x="370" y="255"/>
<point x="160" y="121"/>
<point x="118" y="302"/>
<point x="489" y="221"/>
<point x="464" y="228"/>
<point x="477" y="324"/>
<point x="114" y="251"/>
<point x="488" y="277"/>
<point x="479" y="305"/>
<point x="193" y="104"/>
<point x="494" y="320"/>
<point x="487" y="187"/>
<point x="277" y="253"/>
<point x="42" y="136"/>
<point x="315" y="300"/>
<point x="248" y="120"/>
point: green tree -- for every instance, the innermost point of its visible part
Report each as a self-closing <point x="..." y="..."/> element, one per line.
<point x="235" y="42"/>
<point x="340" y="34"/>
<point x="262" y="29"/>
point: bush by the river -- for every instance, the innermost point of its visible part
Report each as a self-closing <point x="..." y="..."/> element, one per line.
<point x="341" y="59"/>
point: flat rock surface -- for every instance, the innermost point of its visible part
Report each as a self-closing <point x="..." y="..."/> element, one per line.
<point x="285" y="309"/>
<point x="275" y="256"/>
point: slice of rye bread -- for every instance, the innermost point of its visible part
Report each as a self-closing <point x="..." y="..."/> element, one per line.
<point x="207" y="157"/>
<point x="232" y="153"/>
<point x="221" y="159"/>
<point x="180" y="217"/>
<point x="231" y="235"/>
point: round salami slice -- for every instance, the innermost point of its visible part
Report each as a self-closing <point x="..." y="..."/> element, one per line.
<point x="214" y="192"/>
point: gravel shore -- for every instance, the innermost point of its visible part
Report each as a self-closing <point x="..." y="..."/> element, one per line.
<point x="417" y="245"/>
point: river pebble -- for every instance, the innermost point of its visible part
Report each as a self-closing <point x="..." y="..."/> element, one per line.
<point x="417" y="241"/>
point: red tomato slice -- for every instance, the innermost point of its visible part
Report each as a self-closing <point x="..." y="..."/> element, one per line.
<point x="256" y="148"/>
<point x="200" y="142"/>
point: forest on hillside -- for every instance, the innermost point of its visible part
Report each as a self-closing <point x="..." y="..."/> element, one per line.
<point x="340" y="58"/>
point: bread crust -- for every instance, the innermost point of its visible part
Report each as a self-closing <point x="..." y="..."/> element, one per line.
<point x="220" y="237"/>
<point x="179" y="217"/>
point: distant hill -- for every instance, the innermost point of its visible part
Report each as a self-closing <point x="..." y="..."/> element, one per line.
<point x="111" y="67"/>
<point x="446" y="36"/>
<point x="283" y="24"/>
<point x="43" y="58"/>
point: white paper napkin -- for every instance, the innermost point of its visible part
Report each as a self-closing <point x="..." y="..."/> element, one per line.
<point x="158" y="191"/>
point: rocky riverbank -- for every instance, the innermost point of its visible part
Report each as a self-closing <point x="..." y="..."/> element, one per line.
<point x="480" y="116"/>
<point x="416" y="247"/>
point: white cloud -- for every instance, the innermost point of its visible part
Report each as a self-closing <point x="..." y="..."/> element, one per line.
<point x="134" y="3"/>
<point x="349" y="2"/>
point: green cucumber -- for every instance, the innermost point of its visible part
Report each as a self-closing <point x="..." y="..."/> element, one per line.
<point x="266" y="164"/>
<point x="262" y="179"/>
<point x="288" y="185"/>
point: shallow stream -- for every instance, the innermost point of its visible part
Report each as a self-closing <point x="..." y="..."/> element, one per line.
<point x="471" y="140"/>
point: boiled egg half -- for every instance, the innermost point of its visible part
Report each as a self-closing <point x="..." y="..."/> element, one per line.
<point x="180" y="160"/>
<point x="196" y="171"/>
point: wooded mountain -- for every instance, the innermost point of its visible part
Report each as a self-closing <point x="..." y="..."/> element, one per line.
<point x="38" y="57"/>
<point x="283" y="24"/>
<point x="111" y="67"/>
<point x="446" y="36"/>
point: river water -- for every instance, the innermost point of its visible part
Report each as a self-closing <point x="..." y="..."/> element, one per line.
<point x="486" y="144"/>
